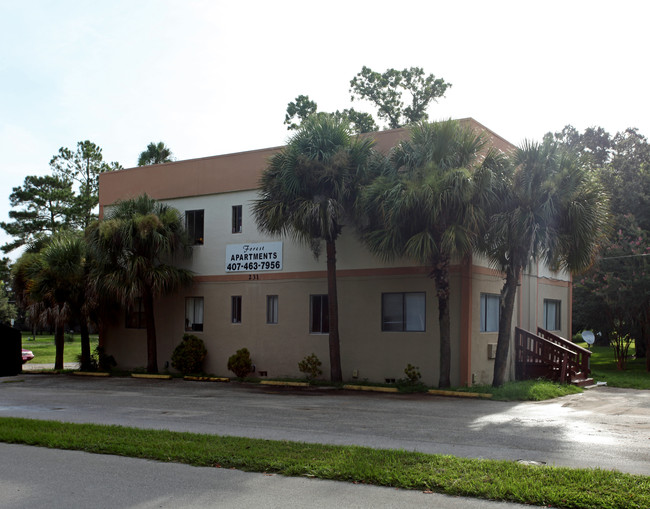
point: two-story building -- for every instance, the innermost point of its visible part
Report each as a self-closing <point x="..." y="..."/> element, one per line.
<point x="269" y="294"/>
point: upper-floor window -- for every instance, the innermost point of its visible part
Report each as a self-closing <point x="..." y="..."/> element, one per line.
<point x="194" y="226"/>
<point x="490" y="312"/>
<point x="552" y="314"/>
<point x="403" y="312"/>
<point x="236" y="218"/>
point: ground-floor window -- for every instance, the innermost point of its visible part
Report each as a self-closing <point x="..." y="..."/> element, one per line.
<point x="319" y="314"/>
<point x="194" y="314"/>
<point x="135" y="315"/>
<point x="236" y="309"/>
<point x="552" y="315"/>
<point x="489" y="312"/>
<point x="403" y="312"/>
<point x="271" y="309"/>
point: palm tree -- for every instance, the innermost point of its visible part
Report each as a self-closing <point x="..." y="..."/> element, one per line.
<point x="430" y="207"/>
<point x="156" y="153"/>
<point x="133" y="247"/>
<point x="49" y="284"/>
<point x="67" y="276"/>
<point x="550" y="208"/>
<point x="306" y="192"/>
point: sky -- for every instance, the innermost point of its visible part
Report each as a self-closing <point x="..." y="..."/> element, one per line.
<point x="214" y="77"/>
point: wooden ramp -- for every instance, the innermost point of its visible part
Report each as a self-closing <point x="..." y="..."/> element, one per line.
<point x="546" y="355"/>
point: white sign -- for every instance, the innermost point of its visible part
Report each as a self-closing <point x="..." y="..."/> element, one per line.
<point x="254" y="257"/>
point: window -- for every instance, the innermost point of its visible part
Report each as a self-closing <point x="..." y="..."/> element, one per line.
<point x="403" y="312"/>
<point x="236" y="218"/>
<point x="271" y="309"/>
<point x="490" y="312"/>
<point x="194" y="313"/>
<point x="194" y="226"/>
<point x="552" y="314"/>
<point x="236" y="309"/>
<point x="319" y="314"/>
<point x="135" y="315"/>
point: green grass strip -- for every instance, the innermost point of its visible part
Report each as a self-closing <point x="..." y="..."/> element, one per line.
<point x="490" y="479"/>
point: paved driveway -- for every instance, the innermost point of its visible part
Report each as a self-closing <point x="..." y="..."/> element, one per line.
<point x="604" y="427"/>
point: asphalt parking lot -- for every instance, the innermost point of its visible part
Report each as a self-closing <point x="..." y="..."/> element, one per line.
<point x="604" y="427"/>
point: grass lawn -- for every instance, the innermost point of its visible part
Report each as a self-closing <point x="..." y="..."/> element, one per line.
<point x="603" y="368"/>
<point x="490" y="479"/>
<point x="44" y="349"/>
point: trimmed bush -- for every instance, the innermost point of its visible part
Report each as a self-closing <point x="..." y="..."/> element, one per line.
<point x="188" y="357"/>
<point x="310" y="366"/>
<point x="240" y="363"/>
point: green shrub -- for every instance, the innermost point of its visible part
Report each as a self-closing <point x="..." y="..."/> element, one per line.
<point x="188" y="357"/>
<point x="68" y="338"/>
<point x="411" y="383"/>
<point x="310" y="366"/>
<point x="105" y="362"/>
<point x="240" y="363"/>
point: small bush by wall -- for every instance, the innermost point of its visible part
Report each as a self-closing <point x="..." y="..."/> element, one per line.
<point x="240" y="363"/>
<point x="188" y="357"/>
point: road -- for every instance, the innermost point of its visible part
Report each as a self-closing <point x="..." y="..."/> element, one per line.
<point x="605" y="427"/>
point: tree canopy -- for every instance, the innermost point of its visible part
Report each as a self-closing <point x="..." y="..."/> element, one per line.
<point x="306" y="193"/>
<point x="134" y="247"/>
<point x="386" y="91"/>
<point x="549" y="209"/>
<point x="155" y="153"/>
<point x="430" y="207"/>
<point x="41" y="208"/>
<point x="82" y="167"/>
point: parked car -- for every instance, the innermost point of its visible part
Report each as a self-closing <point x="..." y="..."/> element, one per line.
<point x="28" y="355"/>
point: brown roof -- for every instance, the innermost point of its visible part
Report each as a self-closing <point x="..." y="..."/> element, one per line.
<point x="224" y="173"/>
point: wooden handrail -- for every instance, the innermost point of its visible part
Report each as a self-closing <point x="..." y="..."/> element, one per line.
<point x="559" y="339"/>
<point x="537" y="355"/>
<point x="582" y="355"/>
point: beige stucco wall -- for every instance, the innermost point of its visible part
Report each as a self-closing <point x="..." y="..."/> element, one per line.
<point x="278" y="348"/>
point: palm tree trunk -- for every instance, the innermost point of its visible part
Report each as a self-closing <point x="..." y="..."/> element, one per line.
<point x="152" y="352"/>
<point x="59" y="342"/>
<point x="336" y="374"/>
<point x="507" y="307"/>
<point x="85" y="344"/>
<point x="440" y="275"/>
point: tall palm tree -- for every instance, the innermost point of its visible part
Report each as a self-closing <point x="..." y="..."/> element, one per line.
<point x="306" y="193"/>
<point x="50" y="285"/>
<point x="430" y="207"/>
<point x="133" y="247"/>
<point x="549" y="209"/>
<point x="156" y="153"/>
<point x="67" y="277"/>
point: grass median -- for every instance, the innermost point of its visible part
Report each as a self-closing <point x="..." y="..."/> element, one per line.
<point x="490" y="479"/>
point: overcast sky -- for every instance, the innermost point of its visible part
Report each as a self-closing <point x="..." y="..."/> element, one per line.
<point x="214" y="77"/>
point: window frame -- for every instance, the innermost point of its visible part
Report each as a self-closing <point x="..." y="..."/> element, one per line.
<point x="272" y="309"/>
<point x="194" y="325"/>
<point x="237" y="218"/>
<point x="558" y="314"/>
<point x="404" y="312"/>
<point x="191" y="226"/>
<point x="235" y="309"/>
<point x="323" y="313"/>
<point x="484" y="311"/>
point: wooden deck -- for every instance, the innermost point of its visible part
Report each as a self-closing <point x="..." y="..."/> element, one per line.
<point x="546" y="355"/>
